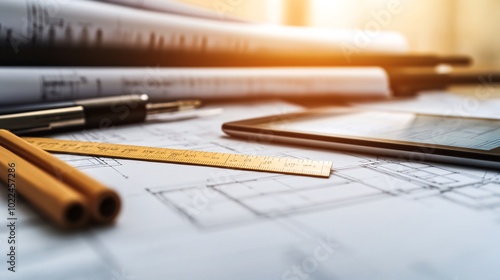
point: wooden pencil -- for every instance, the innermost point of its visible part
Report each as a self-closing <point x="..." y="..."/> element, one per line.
<point x="61" y="204"/>
<point x="104" y="203"/>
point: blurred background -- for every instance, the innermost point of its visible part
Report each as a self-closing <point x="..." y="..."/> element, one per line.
<point x="437" y="26"/>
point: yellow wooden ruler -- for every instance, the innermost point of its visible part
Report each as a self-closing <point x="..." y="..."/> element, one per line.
<point x="234" y="161"/>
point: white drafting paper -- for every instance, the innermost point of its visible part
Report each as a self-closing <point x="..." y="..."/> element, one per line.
<point x="374" y="218"/>
<point x="96" y="24"/>
<point x="35" y="85"/>
<point x="176" y="7"/>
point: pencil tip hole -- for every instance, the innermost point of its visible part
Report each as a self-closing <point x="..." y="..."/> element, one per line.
<point x="108" y="207"/>
<point x="75" y="213"/>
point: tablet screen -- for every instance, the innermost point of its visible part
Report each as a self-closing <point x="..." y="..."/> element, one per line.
<point x="480" y="134"/>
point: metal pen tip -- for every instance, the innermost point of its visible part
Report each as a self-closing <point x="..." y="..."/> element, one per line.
<point x="168" y="107"/>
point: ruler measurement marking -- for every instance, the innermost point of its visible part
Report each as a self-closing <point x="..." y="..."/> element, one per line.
<point x="204" y="158"/>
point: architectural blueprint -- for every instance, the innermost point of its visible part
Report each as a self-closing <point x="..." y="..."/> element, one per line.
<point x="41" y="84"/>
<point x="374" y="218"/>
<point x="95" y="24"/>
<point x="176" y="7"/>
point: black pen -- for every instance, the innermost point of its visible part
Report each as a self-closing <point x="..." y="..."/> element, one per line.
<point x="408" y="82"/>
<point x="87" y="113"/>
<point x="114" y="57"/>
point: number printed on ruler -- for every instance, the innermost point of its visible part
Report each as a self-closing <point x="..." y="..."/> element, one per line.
<point x="224" y="160"/>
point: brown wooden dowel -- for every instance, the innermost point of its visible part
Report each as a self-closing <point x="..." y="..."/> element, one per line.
<point x="104" y="203"/>
<point x="61" y="204"/>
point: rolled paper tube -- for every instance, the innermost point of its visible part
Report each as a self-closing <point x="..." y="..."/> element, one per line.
<point x="61" y="204"/>
<point x="104" y="203"/>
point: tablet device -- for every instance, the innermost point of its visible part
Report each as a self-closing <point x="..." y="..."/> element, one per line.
<point x="405" y="135"/>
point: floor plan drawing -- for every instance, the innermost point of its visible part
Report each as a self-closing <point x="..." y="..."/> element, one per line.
<point x="418" y="215"/>
<point x="255" y="197"/>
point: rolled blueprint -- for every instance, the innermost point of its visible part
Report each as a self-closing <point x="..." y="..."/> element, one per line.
<point x="96" y="24"/>
<point x="179" y="8"/>
<point x="35" y="85"/>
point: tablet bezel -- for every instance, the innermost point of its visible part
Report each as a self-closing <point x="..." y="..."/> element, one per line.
<point x="253" y="129"/>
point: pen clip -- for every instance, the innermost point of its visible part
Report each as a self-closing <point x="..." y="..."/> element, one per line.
<point x="45" y="120"/>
